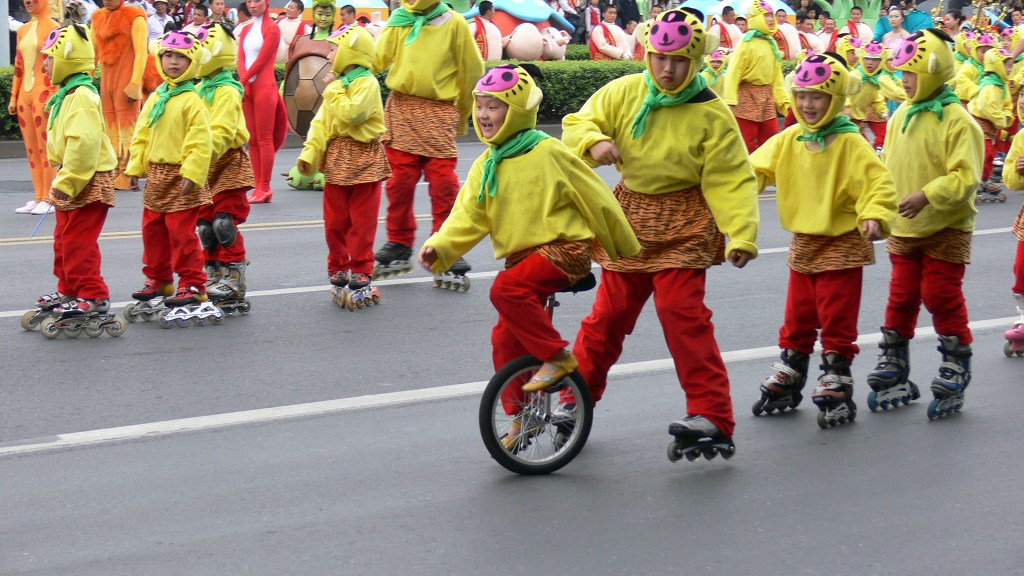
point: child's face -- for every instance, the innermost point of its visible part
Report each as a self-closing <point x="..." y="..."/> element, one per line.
<point x="871" y="64"/>
<point x="48" y="66"/>
<point x="910" y="83"/>
<point x="851" y="58"/>
<point x="490" y="115"/>
<point x="174" y="64"/>
<point x="982" y="50"/>
<point x="669" y="71"/>
<point x="813" y="105"/>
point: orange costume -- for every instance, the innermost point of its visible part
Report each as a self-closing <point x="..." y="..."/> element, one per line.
<point x="121" y="35"/>
<point x="30" y="90"/>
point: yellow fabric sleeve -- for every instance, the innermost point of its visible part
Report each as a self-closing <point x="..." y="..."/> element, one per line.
<point x="754" y="62"/>
<point x="965" y="83"/>
<point x="140" y="37"/>
<point x="181" y="136"/>
<point x="891" y="89"/>
<point x="991" y="105"/>
<point x="1011" y="176"/>
<point x="227" y="123"/>
<point x="355" y="112"/>
<point x="78" y="143"/>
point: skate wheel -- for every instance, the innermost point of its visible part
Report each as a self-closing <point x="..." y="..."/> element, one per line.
<point x="758" y="407"/>
<point x="129" y="311"/>
<point x="465" y="286"/>
<point x="244" y="307"/>
<point x="117" y="328"/>
<point x="675" y="454"/>
<point x="895" y="403"/>
<point x="216" y="320"/>
<point x="182" y="322"/>
<point x="72" y="331"/>
<point x="728" y="452"/>
<point x="198" y="321"/>
<point x="375" y="298"/>
<point x="1007" y="349"/>
<point x="710" y="453"/>
<point x="93" y="331"/>
<point x="48" y="327"/>
<point x="29" y="322"/>
<point x="692" y="455"/>
<point x="873" y="401"/>
<point x="165" y="322"/>
<point x="933" y="410"/>
<point x="823" y="422"/>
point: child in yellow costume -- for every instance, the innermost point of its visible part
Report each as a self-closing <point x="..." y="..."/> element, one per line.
<point x="344" y="141"/>
<point x="834" y="217"/>
<point x="993" y="111"/>
<point x="869" y="107"/>
<point x="172" y="148"/>
<point x="30" y="89"/>
<point x="542" y="207"/>
<point x="965" y="83"/>
<point x="754" y="87"/>
<point x="231" y="175"/>
<point x="434" y="64"/>
<point x="83" y="189"/>
<point x="934" y="150"/>
<point x="1014" y="174"/>
<point x="682" y="197"/>
<point x="714" y="71"/>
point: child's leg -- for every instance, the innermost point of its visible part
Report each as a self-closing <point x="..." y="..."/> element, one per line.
<point x="943" y="295"/>
<point x="690" y="335"/>
<point x="749" y="130"/>
<point x="82" y="260"/>
<point x="156" y="247"/>
<point x="186" y="253"/>
<point x="620" y="299"/>
<point x="990" y="155"/>
<point x="904" y="294"/>
<point x="63" y="286"/>
<point x="406" y="169"/>
<point x="363" y="208"/>
<point x="444" y="187"/>
<point x="838" y="302"/>
<point x="235" y="204"/>
<point x="766" y="130"/>
<point x="878" y="128"/>
<point x="205" y="221"/>
<point x="800" y="326"/>
<point x="336" y="225"/>
<point x="1018" y="269"/>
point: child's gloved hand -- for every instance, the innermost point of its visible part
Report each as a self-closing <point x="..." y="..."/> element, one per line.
<point x="427" y="258"/>
<point x="913" y="204"/>
<point x="304" y="168"/>
<point x="739" y="258"/>
<point x="133" y="183"/>
<point x="605" y="152"/>
<point x="187" y="186"/>
<point x="872" y="230"/>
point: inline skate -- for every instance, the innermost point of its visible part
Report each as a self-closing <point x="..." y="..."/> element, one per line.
<point x="357" y="293"/>
<point x="47" y="306"/>
<point x="189" y="304"/>
<point x="83" y="315"/>
<point x="1015" y="335"/>
<point x="954" y="375"/>
<point x="229" y="291"/>
<point x="454" y="278"/>
<point x="393" y="259"/>
<point x="890" y="381"/>
<point x="989" y="192"/>
<point x="834" y="394"/>
<point x="150" y="300"/>
<point x="696" y="436"/>
<point x="781" y="391"/>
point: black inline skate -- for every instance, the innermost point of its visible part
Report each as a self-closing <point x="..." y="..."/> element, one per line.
<point x="454" y="278"/>
<point x="834" y="394"/>
<point x="359" y="292"/>
<point x="91" y="316"/>
<point x="189" y="304"/>
<point x="953" y="378"/>
<point x="393" y="259"/>
<point x="696" y="436"/>
<point x="989" y="192"/>
<point x="150" y="300"/>
<point x="781" y="391"/>
<point x="47" y="306"/>
<point x="228" y="293"/>
<point x="890" y="381"/>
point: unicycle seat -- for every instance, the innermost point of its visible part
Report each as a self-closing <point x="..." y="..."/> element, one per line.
<point x="588" y="282"/>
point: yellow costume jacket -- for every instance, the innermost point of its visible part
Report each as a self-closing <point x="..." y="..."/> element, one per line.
<point x="77" y="142"/>
<point x="181" y="136"/>
<point x="355" y="112"/>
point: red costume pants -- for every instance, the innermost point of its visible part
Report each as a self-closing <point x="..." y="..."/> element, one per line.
<point x="76" y="251"/>
<point x="518" y="294"/>
<point x="920" y="278"/>
<point x="406" y="169"/>
<point x="757" y="133"/>
<point x="350" y="225"/>
<point x="827" y="300"/>
<point x="1018" y="269"/>
<point x="990" y="156"/>
<point x="689" y="333"/>
<point x="878" y="129"/>
<point x="234" y="203"/>
<point x="260" y="105"/>
<point x="170" y="244"/>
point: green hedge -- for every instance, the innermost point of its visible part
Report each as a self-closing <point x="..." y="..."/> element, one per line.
<point x="566" y="85"/>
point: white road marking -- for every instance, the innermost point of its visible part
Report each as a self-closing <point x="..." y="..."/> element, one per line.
<point x="390" y="399"/>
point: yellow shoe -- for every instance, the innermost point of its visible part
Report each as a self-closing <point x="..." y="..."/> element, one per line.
<point x="552" y="372"/>
<point x="516" y="439"/>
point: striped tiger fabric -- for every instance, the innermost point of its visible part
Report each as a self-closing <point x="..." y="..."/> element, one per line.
<point x="987" y="128"/>
<point x="675" y="230"/>
<point x="755" y="102"/>
<point x="99" y="189"/>
<point x="1018" y="225"/>
<point x="231" y="171"/>
<point x="421" y="126"/>
<point x="947" y="245"/>
<point x="163" y="190"/>
<point x="570" y="256"/>
<point x="813" y="254"/>
<point x="349" y="161"/>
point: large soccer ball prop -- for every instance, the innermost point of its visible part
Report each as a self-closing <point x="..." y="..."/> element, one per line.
<point x="306" y="76"/>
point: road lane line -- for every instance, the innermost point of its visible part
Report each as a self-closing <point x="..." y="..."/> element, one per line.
<point x="385" y="400"/>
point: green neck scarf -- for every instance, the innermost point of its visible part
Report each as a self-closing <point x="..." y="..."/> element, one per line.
<point x="976" y="64"/>
<point x="838" y="125"/>
<point x="353" y="75"/>
<point x="867" y="77"/>
<point x="70" y="83"/>
<point x="223" y="78"/>
<point x="758" y="34"/>
<point x="521" y="143"/>
<point x="959" y="57"/>
<point x="945" y="98"/>
<point x="991" y="78"/>
<point x="165" y="92"/>
<point x="657" y="99"/>
<point x="403" y="17"/>
<point x="714" y="75"/>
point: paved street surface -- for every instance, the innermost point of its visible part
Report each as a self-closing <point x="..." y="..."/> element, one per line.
<point x="304" y="439"/>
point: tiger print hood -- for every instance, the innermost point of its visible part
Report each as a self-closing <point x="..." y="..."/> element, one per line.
<point x="183" y="43"/>
<point x="824" y="73"/>
<point x="927" y="54"/>
<point x="680" y="32"/>
<point x="72" y="52"/>
<point x="758" y="18"/>
<point x="515" y="86"/>
<point x="220" y="41"/>
<point x="355" y="46"/>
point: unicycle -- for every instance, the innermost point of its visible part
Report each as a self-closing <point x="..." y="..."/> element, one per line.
<point x="553" y="424"/>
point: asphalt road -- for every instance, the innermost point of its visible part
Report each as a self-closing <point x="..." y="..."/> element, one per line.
<point x="304" y="439"/>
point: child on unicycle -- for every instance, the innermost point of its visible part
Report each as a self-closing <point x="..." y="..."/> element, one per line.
<point x="543" y="207"/>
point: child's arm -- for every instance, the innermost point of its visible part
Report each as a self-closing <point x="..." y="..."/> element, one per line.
<point x="318" y="136"/>
<point x="965" y="149"/>
<point x="357" y="104"/>
<point x="730" y="186"/>
<point x="82" y="139"/>
<point x="592" y="125"/>
<point x="1013" y="170"/>
<point x="225" y="118"/>
<point x="464" y="228"/>
<point x="874" y="192"/>
<point x="765" y="161"/>
<point x="779" y="91"/>
<point x="736" y="73"/>
<point x="891" y="89"/>
<point x="595" y="202"/>
<point x="195" y="148"/>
